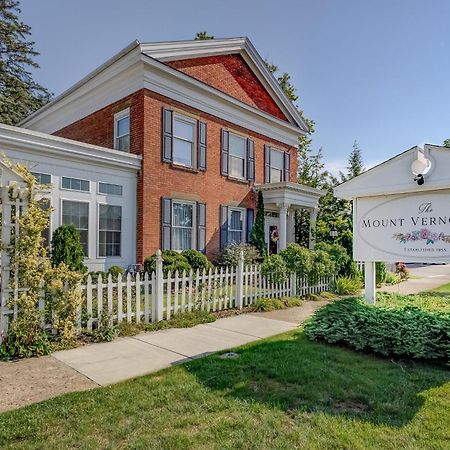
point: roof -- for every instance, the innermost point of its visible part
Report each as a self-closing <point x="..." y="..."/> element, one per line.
<point x="144" y="65"/>
<point x="394" y="176"/>
<point x="18" y="138"/>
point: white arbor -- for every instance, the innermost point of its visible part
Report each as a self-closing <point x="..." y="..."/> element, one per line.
<point x="13" y="203"/>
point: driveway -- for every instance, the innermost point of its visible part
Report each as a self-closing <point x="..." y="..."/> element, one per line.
<point x="422" y="278"/>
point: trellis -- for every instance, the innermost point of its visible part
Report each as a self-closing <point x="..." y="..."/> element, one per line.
<point x="13" y="204"/>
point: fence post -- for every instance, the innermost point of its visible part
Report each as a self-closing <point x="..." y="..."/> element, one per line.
<point x="159" y="287"/>
<point x="240" y="282"/>
<point x="293" y="292"/>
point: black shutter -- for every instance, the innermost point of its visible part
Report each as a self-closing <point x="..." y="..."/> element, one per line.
<point x="224" y="153"/>
<point x="287" y="166"/>
<point x="223" y="226"/>
<point x="201" y="145"/>
<point x="266" y="164"/>
<point x="250" y="160"/>
<point x="201" y="227"/>
<point x="167" y="135"/>
<point x="166" y="224"/>
<point x="250" y="219"/>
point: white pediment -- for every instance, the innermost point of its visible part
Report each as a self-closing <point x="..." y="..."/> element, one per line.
<point x="395" y="176"/>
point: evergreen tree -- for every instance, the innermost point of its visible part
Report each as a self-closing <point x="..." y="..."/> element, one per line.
<point x="355" y="164"/>
<point x="19" y="94"/>
<point x="67" y="249"/>
<point x="257" y="235"/>
<point x="446" y="143"/>
<point x="203" y="36"/>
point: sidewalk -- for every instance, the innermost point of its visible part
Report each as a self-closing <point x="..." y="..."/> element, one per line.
<point x="29" y="381"/>
<point x="422" y="279"/>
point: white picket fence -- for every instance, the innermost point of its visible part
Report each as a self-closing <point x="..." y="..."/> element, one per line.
<point x="156" y="297"/>
<point x="152" y="298"/>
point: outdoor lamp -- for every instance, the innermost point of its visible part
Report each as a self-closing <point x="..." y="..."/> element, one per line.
<point x="333" y="233"/>
<point x="420" y="167"/>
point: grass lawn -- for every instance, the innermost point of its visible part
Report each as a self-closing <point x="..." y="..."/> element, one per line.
<point x="437" y="300"/>
<point x="285" y="392"/>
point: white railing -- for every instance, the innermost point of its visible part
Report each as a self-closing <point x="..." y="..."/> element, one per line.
<point x="152" y="298"/>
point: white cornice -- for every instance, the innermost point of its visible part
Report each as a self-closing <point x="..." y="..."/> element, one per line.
<point x="132" y="70"/>
<point x="290" y="186"/>
<point x="43" y="144"/>
<point x="176" y="50"/>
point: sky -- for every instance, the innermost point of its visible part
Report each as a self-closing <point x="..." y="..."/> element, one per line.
<point x="374" y="71"/>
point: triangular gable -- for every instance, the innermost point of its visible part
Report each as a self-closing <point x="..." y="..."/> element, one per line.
<point x="395" y="176"/>
<point x="251" y="81"/>
<point x="231" y="75"/>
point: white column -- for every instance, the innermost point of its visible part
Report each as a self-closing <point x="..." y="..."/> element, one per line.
<point x="369" y="282"/>
<point x="312" y="227"/>
<point x="291" y="226"/>
<point x="283" y="225"/>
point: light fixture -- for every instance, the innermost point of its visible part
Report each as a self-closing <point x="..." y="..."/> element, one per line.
<point x="420" y="167"/>
<point x="333" y="233"/>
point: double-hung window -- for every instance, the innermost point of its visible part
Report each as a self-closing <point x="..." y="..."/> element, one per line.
<point x="237" y="156"/>
<point x="184" y="131"/>
<point x="237" y="159"/>
<point x="276" y="166"/>
<point x="109" y="230"/>
<point x="182" y="225"/>
<point x="122" y="130"/>
<point x="77" y="214"/>
<point x="235" y="225"/>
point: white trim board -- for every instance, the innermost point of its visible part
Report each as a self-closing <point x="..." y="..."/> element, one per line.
<point x="132" y="70"/>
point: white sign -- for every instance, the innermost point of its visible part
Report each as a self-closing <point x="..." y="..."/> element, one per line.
<point x="408" y="228"/>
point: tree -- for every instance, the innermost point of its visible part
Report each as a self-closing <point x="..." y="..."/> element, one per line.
<point x="19" y="94"/>
<point x="355" y="164"/>
<point x="446" y="143"/>
<point x="257" y="235"/>
<point x="203" y="36"/>
<point x="67" y="249"/>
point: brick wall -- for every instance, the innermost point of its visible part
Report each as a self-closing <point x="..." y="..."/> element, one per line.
<point x="232" y="75"/>
<point x="157" y="179"/>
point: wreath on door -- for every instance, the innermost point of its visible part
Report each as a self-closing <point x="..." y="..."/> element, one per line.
<point x="274" y="236"/>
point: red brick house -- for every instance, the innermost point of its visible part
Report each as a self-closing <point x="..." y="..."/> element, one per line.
<point x="211" y="125"/>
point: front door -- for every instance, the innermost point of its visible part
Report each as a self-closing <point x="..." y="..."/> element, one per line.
<point x="271" y="225"/>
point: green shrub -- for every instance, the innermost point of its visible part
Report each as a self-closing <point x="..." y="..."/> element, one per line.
<point x="321" y="266"/>
<point x="268" y="304"/>
<point x="292" y="301"/>
<point x="197" y="260"/>
<point x="392" y="278"/>
<point x="380" y="271"/>
<point x="346" y="285"/>
<point x="115" y="271"/>
<point x="67" y="249"/>
<point x="408" y="332"/>
<point x="297" y="259"/>
<point x="341" y="259"/>
<point x="230" y="254"/>
<point x="172" y="261"/>
<point x="95" y="274"/>
<point x="274" y="269"/>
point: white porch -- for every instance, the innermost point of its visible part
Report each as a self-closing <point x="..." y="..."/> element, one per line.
<point x="281" y="200"/>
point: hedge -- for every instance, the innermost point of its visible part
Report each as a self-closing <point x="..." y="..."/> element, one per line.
<point x="407" y="332"/>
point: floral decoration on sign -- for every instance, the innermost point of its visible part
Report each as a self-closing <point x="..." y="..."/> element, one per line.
<point x="274" y="236"/>
<point x="422" y="235"/>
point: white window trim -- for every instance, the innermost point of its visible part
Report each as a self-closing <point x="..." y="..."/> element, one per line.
<point x="103" y="193"/>
<point x="244" y="177"/>
<point x="74" y="190"/>
<point x="117" y="116"/>
<point x="243" y="211"/>
<point x="110" y="258"/>
<point x="272" y="149"/>
<point x="192" y="122"/>
<point x="194" y="222"/>
<point x="76" y="200"/>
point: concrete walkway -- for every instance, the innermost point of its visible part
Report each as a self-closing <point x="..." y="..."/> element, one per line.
<point x="421" y="279"/>
<point x="134" y="356"/>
